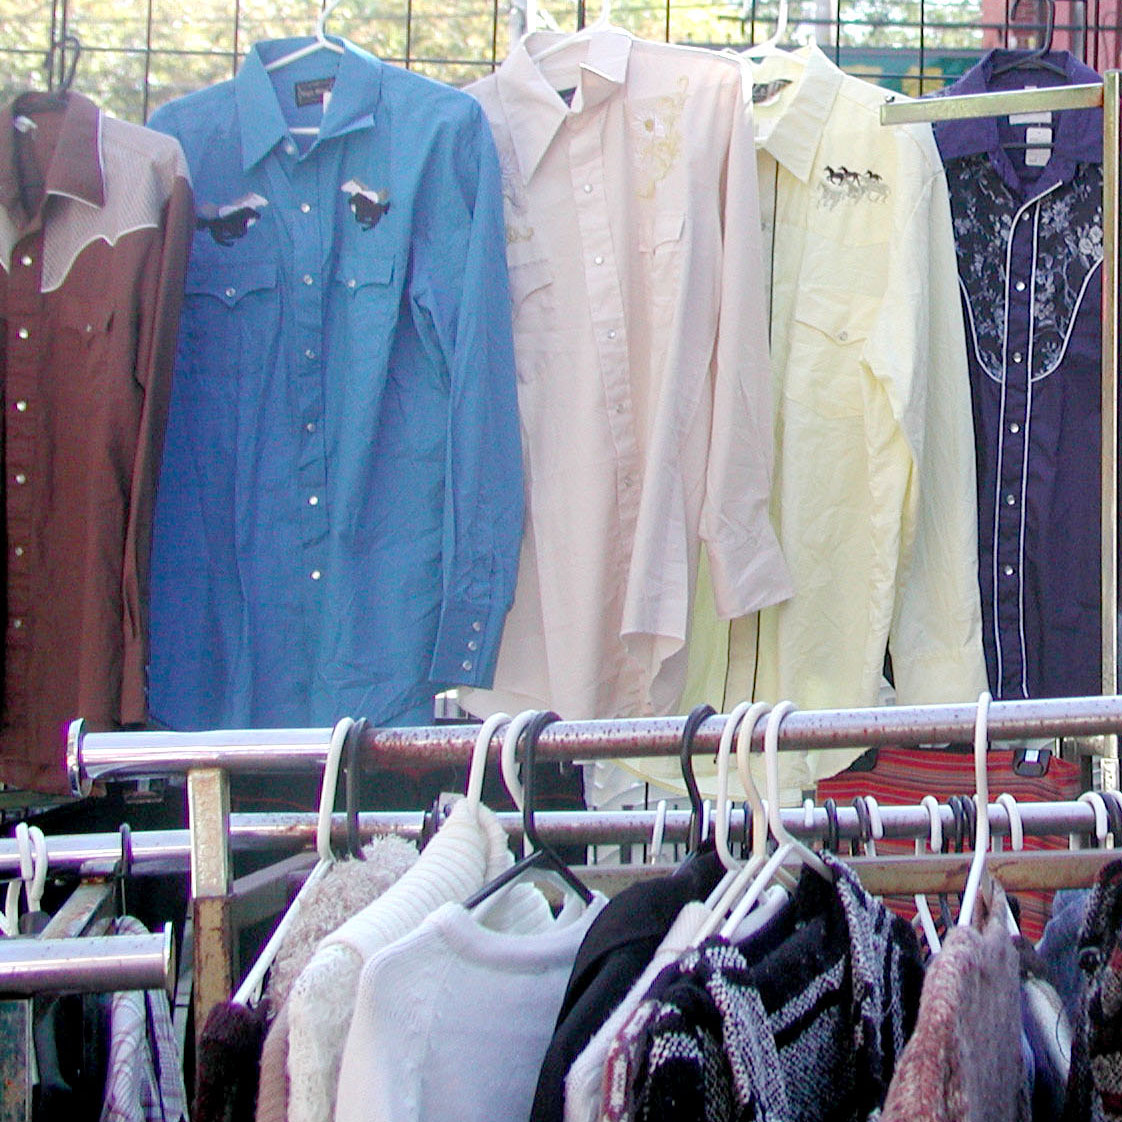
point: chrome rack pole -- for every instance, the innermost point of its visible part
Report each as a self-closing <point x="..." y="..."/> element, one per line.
<point x="94" y="964"/>
<point x="966" y="106"/>
<point x="120" y="755"/>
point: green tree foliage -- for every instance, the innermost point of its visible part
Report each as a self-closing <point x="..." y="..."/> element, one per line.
<point x="138" y="54"/>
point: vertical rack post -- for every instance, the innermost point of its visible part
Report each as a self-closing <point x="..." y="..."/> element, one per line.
<point x="1112" y="88"/>
<point x="208" y="810"/>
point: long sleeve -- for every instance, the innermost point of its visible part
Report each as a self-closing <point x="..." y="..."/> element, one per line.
<point x="467" y="298"/>
<point x="747" y="567"/>
<point x="935" y="636"/>
<point x="162" y="298"/>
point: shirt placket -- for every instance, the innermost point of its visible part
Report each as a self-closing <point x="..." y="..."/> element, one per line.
<point x="25" y="349"/>
<point x="1013" y="451"/>
<point x="309" y="219"/>
<point x="605" y="297"/>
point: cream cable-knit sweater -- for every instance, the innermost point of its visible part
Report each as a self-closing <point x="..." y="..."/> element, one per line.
<point x="467" y="852"/>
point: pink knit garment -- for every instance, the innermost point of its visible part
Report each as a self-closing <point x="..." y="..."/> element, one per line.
<point x="963" y="1062"/>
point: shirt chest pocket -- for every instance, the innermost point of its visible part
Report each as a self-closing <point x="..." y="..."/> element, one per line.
<point x="662" y="248"/>
<point x="88" y="337"/>
<point x="365" y="291"/>
<point x="230" y="318"/>
<point x="826" y="346"/>
<point x="532" y="297"/>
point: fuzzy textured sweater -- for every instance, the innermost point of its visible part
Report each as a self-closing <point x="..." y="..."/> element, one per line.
<point x="963" y="1062"/>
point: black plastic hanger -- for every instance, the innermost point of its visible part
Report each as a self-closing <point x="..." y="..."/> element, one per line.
<point x="352" y="766"/>
<point x="543" y="857"/>
<point x="697" y="717"/>
<point x="1036" y="59"/>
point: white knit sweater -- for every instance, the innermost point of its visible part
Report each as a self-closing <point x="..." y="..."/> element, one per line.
<point x="454" y="1020"/>
<point x="467" y="852"/>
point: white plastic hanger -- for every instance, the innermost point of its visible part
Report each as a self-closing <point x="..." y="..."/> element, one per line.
<point x="1102" y="819"/>
<point x="249" y="992"/>
<point x="474" y="790"/>
<point x="771" y="44"/>
<point x="935" y="841"/>
<point x="658" y="832"/>
<point x="603" y="22"/>
<point x="32" y="848"/>
<point x="319" y="43"/>
<point x="788" y="846"/>
<point x="977" y="874"/>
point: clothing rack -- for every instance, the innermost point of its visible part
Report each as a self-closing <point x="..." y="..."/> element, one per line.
<point x="1108" y="95"/>
<point x="209" y="758"/>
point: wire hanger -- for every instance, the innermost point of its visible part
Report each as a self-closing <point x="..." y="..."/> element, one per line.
<point x="1036" y="59"/>
<point x="319" y="43"/>
<point x="249" y="992"/>
<point x="543" y="856"/>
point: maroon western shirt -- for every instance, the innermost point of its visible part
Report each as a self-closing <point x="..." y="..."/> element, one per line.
<point x="95" y="220"/>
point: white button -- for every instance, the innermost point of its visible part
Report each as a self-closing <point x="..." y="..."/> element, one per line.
<point x="21" y="406"/>
<point x="612" y="334"/>
<point x="313" y="500"/>
<point x="1009" y="570"/>
<point x="17" y="623"/>
<point x="588" y="188"/>
<point x="628" y="481"/>
<point x="308" y="279"/>
<point x="1010" y="499"/>
<point x="25" y="260"/>
<point x="1020" y="286"/>
<point x="620" y="407"/>
<point x="843" y="335"/>
<point x="598" y="260"/>
<point x="18" y="551"/>
<point x="477" y="626"/>
<point x="1014" y="427"/>
<point x="466" y="664"/>
<point x="311" y="426"/>
<point x="20" y="477"/>
<point x="351" y="283"/>
<point x="305" y="207"/>
<point x="1018" y="357"/>
<point x="1025" y="217"/>
<point x="309" y="353"/>
<point x="316" y="574"/>
<point x="231" y="293"/>
<point x="473" y="645"/>
<point x="23" y="333"/>
<point x="290" y="148"/>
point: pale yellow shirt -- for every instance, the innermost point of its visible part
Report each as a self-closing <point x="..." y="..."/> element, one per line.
<point x="633" y="245"/>
<point x="874" y="495"/>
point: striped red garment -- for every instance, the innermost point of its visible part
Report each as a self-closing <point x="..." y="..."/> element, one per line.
<point x="902" y="776"/>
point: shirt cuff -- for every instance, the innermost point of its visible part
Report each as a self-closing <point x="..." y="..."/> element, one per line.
<point x="467" y="645"/>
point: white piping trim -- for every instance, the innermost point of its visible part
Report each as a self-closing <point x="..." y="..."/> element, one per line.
<point x="88" y="242"/>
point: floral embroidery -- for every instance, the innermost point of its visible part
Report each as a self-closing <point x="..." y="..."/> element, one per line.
<point x="515" y="209"/>
<point x="658" y="143"/>
<point x="1069" y="248"/>
<point x="839" y="185"/>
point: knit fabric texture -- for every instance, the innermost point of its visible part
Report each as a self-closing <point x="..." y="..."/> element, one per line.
<point x="229" y="1056"/>
<point x="1094" y="1090"/>
<point x="964" y="1061"/>
<point x="469" y="850"/>
<point x="344" y="889"/>
<point x="456" y="1017"/>
<point x="803" y="1023"/>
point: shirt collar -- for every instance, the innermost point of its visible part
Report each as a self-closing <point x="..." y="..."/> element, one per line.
<point x="535" y="111"/>
<point x="75" y="169"/>
<point x="795" y="136"/>
<point x="1078" y="133"/>
<point x="354" y="97"/>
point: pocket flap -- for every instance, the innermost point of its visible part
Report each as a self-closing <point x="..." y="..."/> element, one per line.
<point x="231" y="281"/>
<point x="846" y="317"/>
<point x="356" y="271"/>
<point x="667" y="227"/>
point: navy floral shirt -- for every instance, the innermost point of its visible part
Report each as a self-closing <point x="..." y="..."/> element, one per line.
<point x="1028" y="234"/>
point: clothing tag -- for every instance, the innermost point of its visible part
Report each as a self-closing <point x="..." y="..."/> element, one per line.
<point x="1042" y="118"/>
<point x="567" y="96"/>
<point x="24" y="124"/>
<point x="1038" y="157"/>
<point x="311" y="92"/>
<point x="764" y="93"/>
<point x="1038" y="135"/>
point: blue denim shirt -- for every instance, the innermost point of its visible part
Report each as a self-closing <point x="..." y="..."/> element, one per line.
<point x="1029" y="242"/>
<point x="340" y="506"/>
